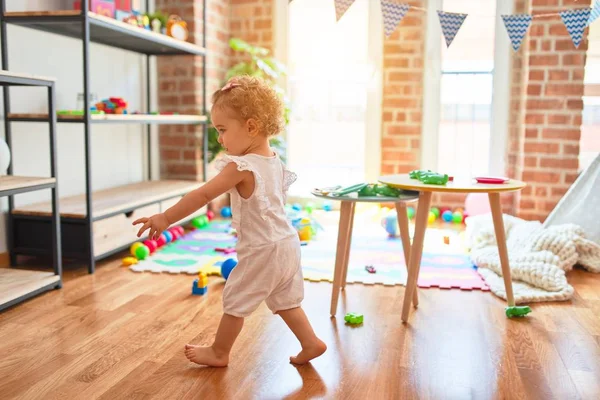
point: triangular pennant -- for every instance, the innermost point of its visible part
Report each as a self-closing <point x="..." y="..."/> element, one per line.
<point x="451" y="23"/>
<point x="595" y="13"/>
<point x="576" y="21"/>
<point x="517" y="26"/>
<point x="341" y="6"/>
<point x="392" y="15"/>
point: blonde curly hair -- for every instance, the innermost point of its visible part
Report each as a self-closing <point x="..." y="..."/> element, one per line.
<point x="252" y="98"/>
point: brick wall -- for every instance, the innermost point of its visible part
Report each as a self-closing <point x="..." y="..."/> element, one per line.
<point x="180" y="84"/>
<point x="252" y="21"/>
<point x="403" y="93"/>
<point x="549" y="79"/>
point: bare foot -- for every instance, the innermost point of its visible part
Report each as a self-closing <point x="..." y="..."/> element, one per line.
<point x="205" y="356"/>
<point x="309" y="352"/>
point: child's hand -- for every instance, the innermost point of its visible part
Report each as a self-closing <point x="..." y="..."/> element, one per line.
<point x="156" y="223"/>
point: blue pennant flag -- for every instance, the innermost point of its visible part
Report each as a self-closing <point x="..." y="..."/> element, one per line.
<point x="451" y="23"/>
<point x="517" y="26"/>
<point x="392" y="15"/>
<point x="341" y="6"/>
<point x="595" y="13"/>
<point x="576" y="21"/>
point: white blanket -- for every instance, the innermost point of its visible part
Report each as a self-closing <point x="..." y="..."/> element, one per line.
<point x="539" y="257"/>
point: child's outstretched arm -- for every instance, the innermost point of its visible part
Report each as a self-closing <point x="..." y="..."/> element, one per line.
<point x="228" y="178"/>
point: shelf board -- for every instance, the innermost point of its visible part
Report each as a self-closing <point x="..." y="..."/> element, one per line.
<point x="113" y="201"/>
<point x="16" y="283"/>
<point x="16" y="79"/>
<point x="115" y="118"/>
<point x="11" y="184"/>
<point x="104" y="30"/>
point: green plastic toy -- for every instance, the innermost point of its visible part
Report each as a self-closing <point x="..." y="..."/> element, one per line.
<point x="368" y="191"/>
<point x="387" y="191"/>
<point x="354" y="319"/>
<point x="349" y="189"/>
<point x="429" y="177"/>
<point x="517" y="311"/>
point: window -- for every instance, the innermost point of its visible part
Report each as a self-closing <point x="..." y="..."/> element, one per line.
<point x="464" y="109"/>
<point x="332" y="72"/>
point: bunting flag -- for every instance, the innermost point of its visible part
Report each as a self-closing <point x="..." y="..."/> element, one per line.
<point x="517" y="26"/>
<point x="451" y="23"/>
<point x="595" y="13"/>
<point x="341" y="6"/>
<point x="576" y="21"/>
<point x="392" y="15"/>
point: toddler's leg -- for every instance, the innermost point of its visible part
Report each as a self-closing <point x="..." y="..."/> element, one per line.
<point x="217" y="355"/>
<point x="312" y="346"/>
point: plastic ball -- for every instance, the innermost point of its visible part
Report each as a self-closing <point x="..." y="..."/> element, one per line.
<point x="151" y="245"/>
<point x="175" y="234"/>
<point x="210" y="215"/>
<point x="309" y="208"/>
<point x="457" y="217"/>
<point x="200" y="222"/>
<point x="297" y="207"/>
<point x="431" y="217"/>
<point x="141" y="252"/>
<point x="447" y="216"/>
<point x="168" y="236"/>
<point x="226" y="212"/>
<point x="228" y="266"/>
<point x="134" y="247"/>
<point x="410" y="212"/>
<point x="327" y="206"/>
<point x="436" y="212"/>
<point x="161" y="241"/>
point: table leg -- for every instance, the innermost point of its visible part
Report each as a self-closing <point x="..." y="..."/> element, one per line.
<point x="344" y="226"/>
<point x="405" y="236"/>
<point x="416" y="251"/>
<point x="501" y="242"/>
<point x="348" y="245"/>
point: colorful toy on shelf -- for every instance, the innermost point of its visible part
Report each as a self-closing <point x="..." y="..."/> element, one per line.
<point x="142" y="251"/>
<point x="354" y="318"/>
<point x="129" y="261"/>
<point x="227" y="266"/>
<point x="105" y="8"/>
<point x="226" y="212"/>
<point x="428" y="177"/>
<point x="177" y="28"/>
<point x="200" y="285"/>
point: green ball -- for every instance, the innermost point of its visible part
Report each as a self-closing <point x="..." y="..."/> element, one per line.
<point x="457" y="217"/>
<point x="436" y="211"/>
<point x="309" y="208"/>
<point x="410" y="212"/>
<point x="141" y="252"/>
<point x="200" y="222"/>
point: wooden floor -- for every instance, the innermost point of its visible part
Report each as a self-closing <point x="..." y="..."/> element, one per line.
<point x="118" y="334"/>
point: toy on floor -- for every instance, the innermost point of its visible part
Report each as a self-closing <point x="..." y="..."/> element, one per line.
<point x="142" y="251"/>
<point x="200" y="222"/>
<point x="226" y="212"/>
<point x="228" y="266"/>
<point x="225" y="250"/>
<point x="129" y="261"/>
<point x="200" y="285"/>
<point x="327" y="206"/>
<point x="151" y="245"/>
<point x="517" y="311"/>
<point x="370" y="269"/>
<point x="354" y="319"/>
<point x="210" y="215"/>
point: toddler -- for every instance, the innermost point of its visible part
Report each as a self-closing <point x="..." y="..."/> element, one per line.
<point x="246" y="112"/>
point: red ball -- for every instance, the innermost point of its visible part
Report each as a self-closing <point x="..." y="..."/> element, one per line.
<point x="175" y="234"/>
<point x="161" y="241"/>
<point x="152" y="245"/>
<point x="180" y="230"/>
<point x="210" y="215"/>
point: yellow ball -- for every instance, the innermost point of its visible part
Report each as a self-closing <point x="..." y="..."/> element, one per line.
<point x="127" y="261"/>
<point x="431" y="217"/>
<point x="134" y="247"/>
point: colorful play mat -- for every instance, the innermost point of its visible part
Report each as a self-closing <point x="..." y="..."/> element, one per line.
<point x="445" y="263"/>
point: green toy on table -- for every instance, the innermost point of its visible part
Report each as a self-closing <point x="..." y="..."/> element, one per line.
<point x="429" y="177"/>
<point x="366" y="190"/>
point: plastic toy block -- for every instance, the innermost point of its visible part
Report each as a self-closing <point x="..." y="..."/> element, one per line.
<point x="200" y="291"/>
<point x="354" y="319"/>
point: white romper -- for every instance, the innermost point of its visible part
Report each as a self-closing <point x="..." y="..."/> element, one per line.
<point x="268" y="246"/>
